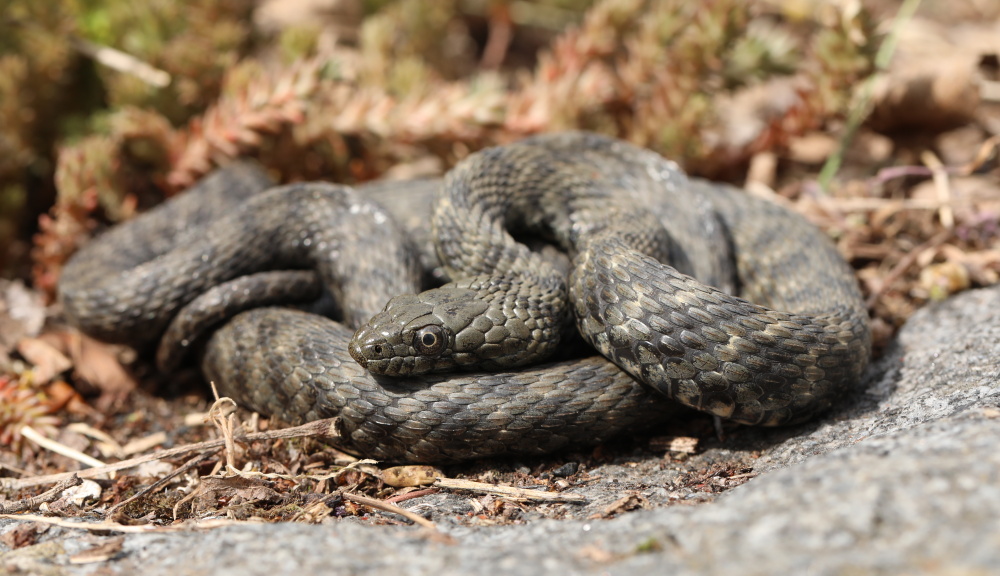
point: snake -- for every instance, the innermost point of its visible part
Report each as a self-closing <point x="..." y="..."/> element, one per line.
<point x="695" y="293"/>
<point x="689" y="340"/>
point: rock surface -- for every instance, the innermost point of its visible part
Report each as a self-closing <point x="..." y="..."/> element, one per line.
<point x="904" y="478"/>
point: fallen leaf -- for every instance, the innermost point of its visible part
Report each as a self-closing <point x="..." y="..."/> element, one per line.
<point x="960" y="146"/>
<point x="23" y="535"/>
<point x="22" y="314"/>
<point x="746" y="115"/>
<point x="153" y="469"/>
<point x="934" y="93"/>
<point x="47" y="360"/>
<point x="95" y="363"/>
<point x="73" y="498"/>
<point x="81" y="493"/>
<point x="943" y="279"/>
<point x="232" y="490"/>
<point x="811" y="148"/>
<point x="62" y="396"/>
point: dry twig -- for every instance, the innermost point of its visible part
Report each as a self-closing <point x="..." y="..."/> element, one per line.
<point x="326" y="428"/>
<point x="904" y="263"/>
<point x="161" y="482"/>
<point x="50" y="444"/>
<point x="49" y="495"/>
<point x="122" y="62"/>
<point x="389" y="507"/>
<point x="510" y="491"/>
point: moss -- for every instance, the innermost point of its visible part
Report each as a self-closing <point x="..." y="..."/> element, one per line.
<point x="648" y="545"/>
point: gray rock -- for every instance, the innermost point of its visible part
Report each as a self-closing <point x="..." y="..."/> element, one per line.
<point x="904" y="478"/>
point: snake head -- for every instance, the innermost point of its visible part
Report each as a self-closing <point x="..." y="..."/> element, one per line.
<point x="418" y="333"/>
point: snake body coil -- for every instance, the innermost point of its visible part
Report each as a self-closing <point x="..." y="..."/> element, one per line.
<point x="704" y="347"/>
<point x="693" y="342"/>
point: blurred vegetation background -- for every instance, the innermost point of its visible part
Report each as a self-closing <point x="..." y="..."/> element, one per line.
<point x="107" y="106"/>
<point x="53" y="91"/>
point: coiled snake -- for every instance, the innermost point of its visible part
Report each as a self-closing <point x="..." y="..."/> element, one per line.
<point x="600" y="199"/>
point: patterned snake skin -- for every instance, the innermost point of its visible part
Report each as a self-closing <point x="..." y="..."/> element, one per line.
<point x="715" y="352"/>
<point x="694" y="343"/>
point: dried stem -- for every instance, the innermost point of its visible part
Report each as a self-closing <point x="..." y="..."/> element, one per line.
<point x="48" y="496"/>
<point x="326" y="428"/>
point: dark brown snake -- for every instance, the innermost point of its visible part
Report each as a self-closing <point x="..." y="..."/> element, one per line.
<point x="174" y="269"/>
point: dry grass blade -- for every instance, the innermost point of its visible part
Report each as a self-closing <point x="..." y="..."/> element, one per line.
<point x="510" y="491"/>
<point x="941" y="186"/>
<point x="321" y="428"/>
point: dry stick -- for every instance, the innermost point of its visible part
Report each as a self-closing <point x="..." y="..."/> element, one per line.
<point x="122" y="62"/>
<point x="387" y="507"/>
<point x="61" y="449"/>
<point x="410" y="495"/>
<point x="510" y="491"/>
<point x="941" y="185"/>
<point x="904" y="263"/>
<point x="986" y="151"/>
<point x="103" y="438"/>
<point x="47" y="496"/>
<point x="498" y="37"/>
<point x="326" y="428"/>
<point x="867" y="204"/>
<point x="162" y="481"/>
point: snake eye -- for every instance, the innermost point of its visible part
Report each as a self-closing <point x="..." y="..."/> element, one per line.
<point x="429" y="340"/>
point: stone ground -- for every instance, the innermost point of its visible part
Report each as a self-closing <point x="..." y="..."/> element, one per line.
<point x="904" y="478"/>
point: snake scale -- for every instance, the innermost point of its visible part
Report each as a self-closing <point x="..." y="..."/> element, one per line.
<point x="618" y="210"/>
